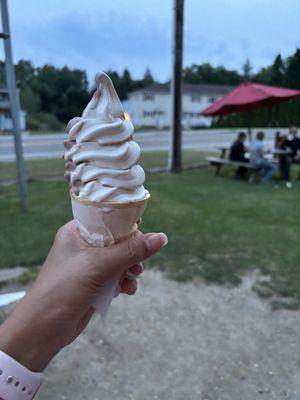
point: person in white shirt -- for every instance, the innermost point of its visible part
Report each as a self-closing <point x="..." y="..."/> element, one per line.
<point x="257" y="160"/>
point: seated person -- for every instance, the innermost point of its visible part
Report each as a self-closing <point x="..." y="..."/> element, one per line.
<point x="257" y="152"/>
<point x="237" y="153"/>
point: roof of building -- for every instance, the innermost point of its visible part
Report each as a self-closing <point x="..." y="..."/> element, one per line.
<point x="189" y="88"/>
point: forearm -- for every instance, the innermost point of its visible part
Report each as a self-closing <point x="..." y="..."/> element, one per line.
<point x="24" y="336"/>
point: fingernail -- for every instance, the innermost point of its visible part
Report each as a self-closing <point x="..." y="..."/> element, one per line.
<point x="131" y="276"/>
<point x="164" y="237"/>
<point x="136" y="269"/>
<point x="153" y="241"/>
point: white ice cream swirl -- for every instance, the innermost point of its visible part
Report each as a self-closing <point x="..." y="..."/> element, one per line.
<point x="101" y="157"/>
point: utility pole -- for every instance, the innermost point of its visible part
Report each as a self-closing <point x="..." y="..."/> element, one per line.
<point x="14" y="104"/>
<point x="174" y="161"/>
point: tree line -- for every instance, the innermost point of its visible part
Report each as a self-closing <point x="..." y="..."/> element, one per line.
<point x="51" y="96"/>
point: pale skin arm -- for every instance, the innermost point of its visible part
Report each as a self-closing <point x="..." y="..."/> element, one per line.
<point x="59" y="305"/>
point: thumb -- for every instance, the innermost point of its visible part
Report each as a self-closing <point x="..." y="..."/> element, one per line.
<point x="119" y="257"/>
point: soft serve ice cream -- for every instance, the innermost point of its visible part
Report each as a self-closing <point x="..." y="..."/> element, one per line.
<point x="106" y="182"/>
<point x="101" y="157"/>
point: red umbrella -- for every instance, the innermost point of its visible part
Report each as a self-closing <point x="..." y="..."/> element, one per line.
<point x="249" y="96"/>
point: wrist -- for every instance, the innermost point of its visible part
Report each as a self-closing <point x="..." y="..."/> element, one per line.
<point x="24" y="337"/>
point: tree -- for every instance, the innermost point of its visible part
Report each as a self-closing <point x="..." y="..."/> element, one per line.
<point x="263" y="76"/>
<point x="206" y="73"/>
<point x="25" y="72"/>
<point x="30" y="100"/>
<point x="277" y="72"/>
<point x="148" y="78"/>
<point x="125" y="85"/>
<point x="292" y="78"/>
<point x="247" y="70"/>
<point x="127" y="80"/>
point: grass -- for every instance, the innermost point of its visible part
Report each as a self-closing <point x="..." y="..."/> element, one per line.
<point x="219" y="228"/>
<point x="55" y="167"/>
<point x="34" y="169"/>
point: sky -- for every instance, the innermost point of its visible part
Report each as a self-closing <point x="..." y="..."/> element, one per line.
<point x="99" y="35"/>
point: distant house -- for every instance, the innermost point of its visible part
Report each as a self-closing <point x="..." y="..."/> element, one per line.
<point x="151" y="106"/>
<point x="5" y="117"/>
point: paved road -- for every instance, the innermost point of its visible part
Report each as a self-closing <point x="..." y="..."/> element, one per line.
<point x="50" y="146"/>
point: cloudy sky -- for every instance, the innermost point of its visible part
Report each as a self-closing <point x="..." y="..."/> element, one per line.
<point x="113" y="34"/>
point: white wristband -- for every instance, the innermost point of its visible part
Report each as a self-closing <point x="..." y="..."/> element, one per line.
<point x="16" y="381"/>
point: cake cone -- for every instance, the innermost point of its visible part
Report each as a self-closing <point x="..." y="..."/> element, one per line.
<point x="103" y="224"/>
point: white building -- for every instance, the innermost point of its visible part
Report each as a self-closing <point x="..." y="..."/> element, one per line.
<point x="151" y="106"/>
<point x="5" y="117"/>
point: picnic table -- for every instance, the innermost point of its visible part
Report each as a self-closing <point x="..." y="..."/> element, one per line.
<point x="276" y="155"/>
<point x="275" y="152"/>
<point x="223" y="150"/>
<point x="218" y="162"/>
<point x="281" y="152"/>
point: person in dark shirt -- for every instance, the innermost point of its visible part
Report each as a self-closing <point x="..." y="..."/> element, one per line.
<point x="292" y="143"/>
<point x="285" y="162"/>
<point x="237" y="153"/>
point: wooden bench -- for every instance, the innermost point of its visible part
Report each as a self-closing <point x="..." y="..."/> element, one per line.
<point x="219" y="162"/>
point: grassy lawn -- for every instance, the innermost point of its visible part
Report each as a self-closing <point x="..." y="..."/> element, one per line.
<point x="218" y="228"/>
<point x="55" y="167"/>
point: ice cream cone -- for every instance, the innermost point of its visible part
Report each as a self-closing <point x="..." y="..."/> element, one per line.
<point x="105" y="223"/>
<point x="106" y="180"/>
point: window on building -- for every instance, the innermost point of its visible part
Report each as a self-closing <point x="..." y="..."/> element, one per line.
<point x="212" y="99"/>
<point x="148" y="96"/>
<point x="149" y="114"/>
<point x="191" y="115"/>
<point x="196" y="98"/>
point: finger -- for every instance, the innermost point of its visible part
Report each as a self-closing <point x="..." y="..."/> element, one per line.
<point x="120" y="257"/>
<point x="129" y="286"/>
<point x="134" y="272"/>
<point x="136" y="269"/>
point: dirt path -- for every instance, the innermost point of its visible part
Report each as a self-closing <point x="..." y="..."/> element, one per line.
<point x="183" y="342"/>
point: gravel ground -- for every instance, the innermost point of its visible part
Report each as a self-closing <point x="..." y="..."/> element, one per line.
<point x="182" y="342"/>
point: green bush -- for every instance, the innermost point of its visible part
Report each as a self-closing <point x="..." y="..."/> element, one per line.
<point x="44" y="121"/>
<point x="31" y="123"/>
<point x="49" y="122"/>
